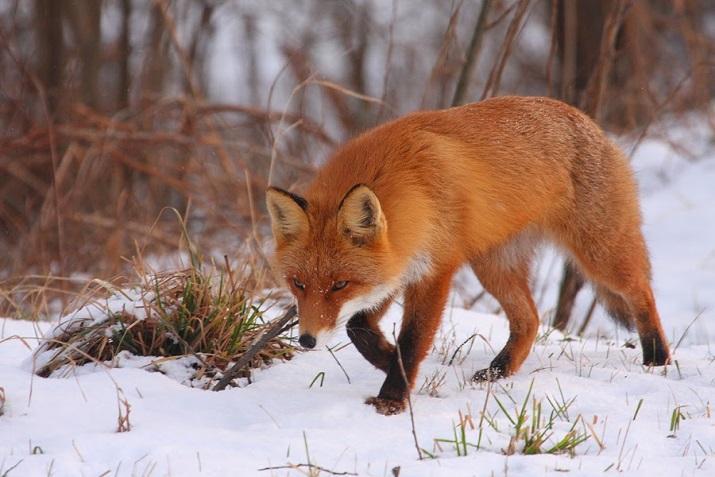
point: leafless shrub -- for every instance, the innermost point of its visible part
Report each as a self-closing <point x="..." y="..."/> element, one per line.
<point x="105" y="121"/>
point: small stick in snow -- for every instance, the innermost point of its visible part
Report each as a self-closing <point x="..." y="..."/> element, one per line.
<point x="685" y="332"/>
<point x="76" y="449"/>
<point x="598" y="440"/>
<point x="124" y="409"/>
<point x="454" y="355"/>
<point x="274" y="330"/>
<point x="330" y="350"/>
<point x="309" y="466"/>
<point x="7" y="472"/>
<point x="409" y="399"/>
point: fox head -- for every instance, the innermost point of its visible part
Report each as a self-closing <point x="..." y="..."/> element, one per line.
<point x="335" y="260"/>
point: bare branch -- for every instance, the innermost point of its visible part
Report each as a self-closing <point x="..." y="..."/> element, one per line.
<point x="472" y="54"/>
<point x="275" y="329"/>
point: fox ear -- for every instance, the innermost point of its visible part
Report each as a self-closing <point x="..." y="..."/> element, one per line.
<point x="360" y="216"/>
<point x="288" y="217"/>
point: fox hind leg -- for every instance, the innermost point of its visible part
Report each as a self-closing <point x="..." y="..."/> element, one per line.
<point x="630" y="301"/>
<point x="507" y="281"/>
<point x="621" y="270"/>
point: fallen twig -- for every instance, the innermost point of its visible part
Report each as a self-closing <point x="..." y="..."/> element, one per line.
<point x="454" y="355"/>
<point x="409" y="399"/>
<point x="274" y="330"/>
<point x="687" y="328"/>
<point x="339" y="364"/>
<point x="309" y="466"/>
<point x="123" y="411"/>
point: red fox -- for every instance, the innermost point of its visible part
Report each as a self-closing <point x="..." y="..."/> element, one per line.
<point x="398" y="209"/>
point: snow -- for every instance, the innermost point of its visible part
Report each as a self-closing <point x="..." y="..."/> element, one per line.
<point x="68" y="426"/>
<point x="177" y="430"/>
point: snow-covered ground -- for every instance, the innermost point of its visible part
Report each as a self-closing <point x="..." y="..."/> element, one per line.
<point x="68" y="426"/>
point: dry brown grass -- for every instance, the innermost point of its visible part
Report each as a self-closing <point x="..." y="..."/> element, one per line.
<point x="202" y="312"/>
<point x="115" y="177"/>
<point x="93" y="153"/>
<point x="213" y="314"/>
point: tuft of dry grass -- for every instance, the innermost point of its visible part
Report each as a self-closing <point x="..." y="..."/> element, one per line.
<point x="207" y="315"/>
<point x="124" y="409"/>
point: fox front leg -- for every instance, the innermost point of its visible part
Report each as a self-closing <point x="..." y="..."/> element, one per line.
<point x="424" y="303"/>
<point x="365" y="334"/>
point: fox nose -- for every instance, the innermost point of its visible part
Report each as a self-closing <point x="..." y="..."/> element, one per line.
<point x="307" y="341"/>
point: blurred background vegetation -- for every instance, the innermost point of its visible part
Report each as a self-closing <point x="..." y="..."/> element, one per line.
<point x="113" y="110"/>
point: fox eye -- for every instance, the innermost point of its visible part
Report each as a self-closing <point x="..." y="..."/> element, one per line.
<point x="298" y="284"/>
<point x="339" y="285"/>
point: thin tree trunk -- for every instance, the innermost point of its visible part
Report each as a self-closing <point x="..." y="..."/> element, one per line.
<point x="472" y="54"/>
<point x="85" y="19"/>
<point x="125" y="53"/>
<point x="48" y="15"/>
<point x="253" y="70"/>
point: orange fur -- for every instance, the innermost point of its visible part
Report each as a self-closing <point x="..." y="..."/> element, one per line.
<point x="478" y="184"/>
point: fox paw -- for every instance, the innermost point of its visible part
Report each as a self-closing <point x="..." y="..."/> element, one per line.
<point x="490" y="374"/>
<point x="387" y="407"/>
